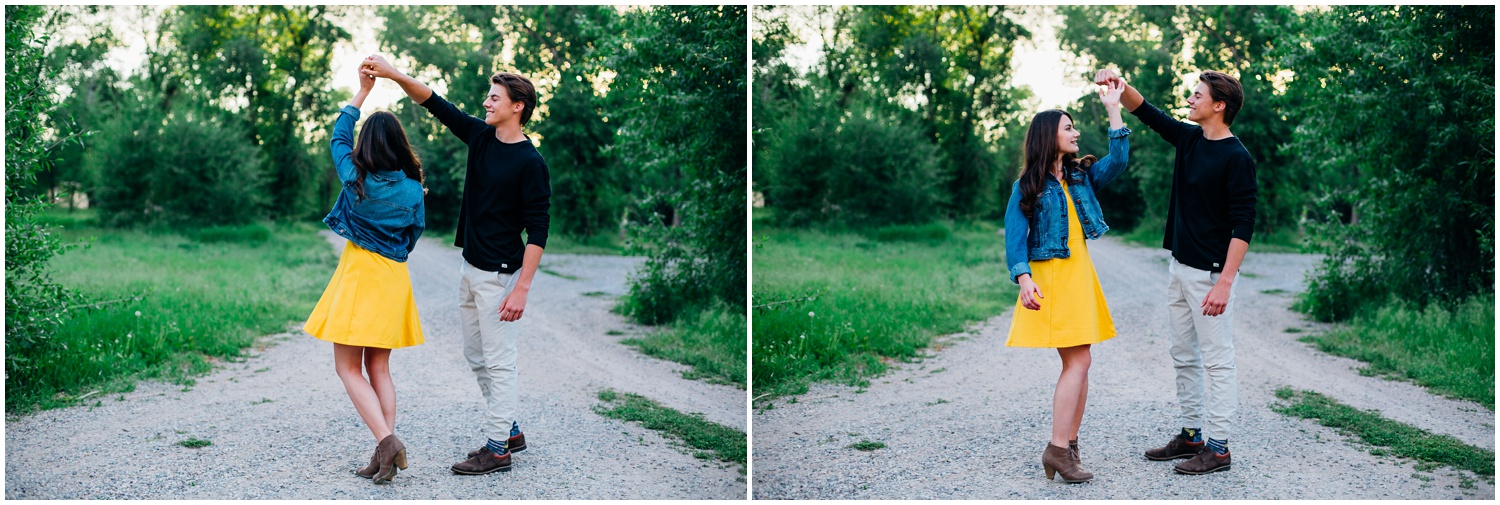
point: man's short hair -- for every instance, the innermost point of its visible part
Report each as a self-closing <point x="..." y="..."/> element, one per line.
<point x="1224" y="88"/>
<point x="520" y="90"/>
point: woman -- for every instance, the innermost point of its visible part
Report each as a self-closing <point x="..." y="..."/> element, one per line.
<point x="1052" y="210"/>
<point x="368" y="308"/>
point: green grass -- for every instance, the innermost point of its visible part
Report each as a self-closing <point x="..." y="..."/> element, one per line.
<point x="705" y="438"/>
<point x="712" y="342"/>
<point x="1148" y="234"/>
<point x="1449" y="350"/>
<point x="866" y="445"/>
<point x="838" y="305"/>
<point x="167" y="305"/>
<point x="194" y="443"/>
<point x="1384" y="435"/>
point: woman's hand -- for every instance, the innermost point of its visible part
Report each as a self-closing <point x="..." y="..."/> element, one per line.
<point x="366" y="81"/>
<point x="1110" y="95"/>
<point x="1031" y="295"/>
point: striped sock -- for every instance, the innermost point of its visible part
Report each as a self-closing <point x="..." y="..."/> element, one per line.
<point x="515" y="428"/>
<point x="497" y="447"/>
<point x="1220" y="447"/>
<point x="1193" y="435"/>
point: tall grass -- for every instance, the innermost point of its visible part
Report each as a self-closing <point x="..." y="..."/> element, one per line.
<point x="166" y="305"/>
<point x="836" y="305"/>
<point x="1450" y="350"/>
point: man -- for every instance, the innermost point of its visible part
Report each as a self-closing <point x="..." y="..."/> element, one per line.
<point x="507" y="190"/>
<point x="1210" y="219"/>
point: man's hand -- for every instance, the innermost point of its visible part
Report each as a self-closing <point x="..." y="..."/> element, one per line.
<point x="1105" y="76"/>
<point x="1217" y="299"/>
<point x="514" y="305"/>
<point x="376" y="65"/>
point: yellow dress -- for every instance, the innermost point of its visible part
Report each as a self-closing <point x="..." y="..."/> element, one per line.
<point x="368" y="303"/>
<point x="1073" y="311"/>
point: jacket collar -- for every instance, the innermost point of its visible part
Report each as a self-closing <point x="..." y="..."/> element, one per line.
<point x="388" y="176"/>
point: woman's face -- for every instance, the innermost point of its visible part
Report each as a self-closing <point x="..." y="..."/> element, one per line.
<point x="1067" y="137"/>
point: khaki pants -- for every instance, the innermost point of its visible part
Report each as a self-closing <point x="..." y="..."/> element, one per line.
<point x="490" y="345"/>
<point x="1202" y="348"/>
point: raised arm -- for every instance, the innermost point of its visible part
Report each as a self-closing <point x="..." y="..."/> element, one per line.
<point x="342" y="143"/>
<point x="377" y="66"/>
<point x="461" y="124"/>
<point x="1114" y="163"/>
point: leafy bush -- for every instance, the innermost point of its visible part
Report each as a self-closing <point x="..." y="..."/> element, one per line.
<point x="34" y="303"/>
<point x="1397" y="95"/>
<point x="186" y="167"/>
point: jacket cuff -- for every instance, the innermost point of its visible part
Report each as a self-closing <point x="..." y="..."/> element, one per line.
<point x="1120" y="133"/>
<point x="351" y="111"/>
<point x="1017" y="270"/>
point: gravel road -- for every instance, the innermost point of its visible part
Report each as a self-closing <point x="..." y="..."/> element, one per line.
<point x="282" y="426"/>
<point x="971" y="420"/>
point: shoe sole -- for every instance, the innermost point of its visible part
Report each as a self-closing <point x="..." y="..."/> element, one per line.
<point x="505" y="468"/>
<point x="1219" y="469"/>
<point x="1170" y="458"/>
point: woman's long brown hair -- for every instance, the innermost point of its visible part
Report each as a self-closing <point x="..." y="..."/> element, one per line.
<point x="1041" y="150"/>
<point x="383" y="147"/>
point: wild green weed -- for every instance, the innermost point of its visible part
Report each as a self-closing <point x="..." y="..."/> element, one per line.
<point x="835" y="305"/>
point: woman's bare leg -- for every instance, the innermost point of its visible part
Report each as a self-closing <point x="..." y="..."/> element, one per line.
<point x="1067" y="401"/>
<point x="347" y="361"/>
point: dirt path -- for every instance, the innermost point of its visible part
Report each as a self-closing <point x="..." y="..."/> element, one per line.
<point x="971" y="421"/>
<point x="282" y="426"/>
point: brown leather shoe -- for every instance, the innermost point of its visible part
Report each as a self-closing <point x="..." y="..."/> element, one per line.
<point x="483" y="463"/>
<point x="1058" y="460"/>
<point x="1179" y="447"/>
<point x="391" y="454"/>
<point x="513" y="444"/>
<point x="1207" y="461"/>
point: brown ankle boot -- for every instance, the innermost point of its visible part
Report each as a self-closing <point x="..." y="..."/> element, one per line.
<point x="370" y="470"/>
<point x="1058" y="460"/>
<point x="391" y="454"/>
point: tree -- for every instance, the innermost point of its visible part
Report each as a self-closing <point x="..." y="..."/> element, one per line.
<point x="556" y="47"/>
<point x="1402" y="99"/>
<point x="681" y="90"/>
<point x="941" y="74"/>
<point x="1147" y="44"/>
<point x="34" y="303"/>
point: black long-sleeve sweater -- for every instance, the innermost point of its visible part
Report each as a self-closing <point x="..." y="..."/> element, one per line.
<point x="1213" y="192"/>
<point x="507" y="189"/>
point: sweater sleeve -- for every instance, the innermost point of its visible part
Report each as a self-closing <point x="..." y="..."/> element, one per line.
<point x="342" y="145"/>
<point x="1171" y="130"/>
<point x="1242" y="194"/>
<point x="537" y="191"/>
<point x="461" y="124"/>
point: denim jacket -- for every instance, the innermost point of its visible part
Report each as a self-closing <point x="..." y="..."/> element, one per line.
<point x="1045" y="235"/>
<point x="390" y="217"/>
